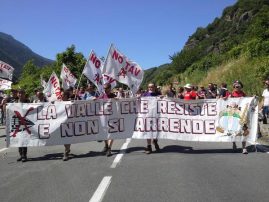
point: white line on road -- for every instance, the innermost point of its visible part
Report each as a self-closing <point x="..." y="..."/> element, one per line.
<point x="120" y="155"/>
<point x="4" y="149"/>
<point x="101" y="189"/>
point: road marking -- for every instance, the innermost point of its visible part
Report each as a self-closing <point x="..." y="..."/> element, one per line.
<point x="4" y="149"/>
<point x="120" y="155"/>
<point x="101" y="189"/>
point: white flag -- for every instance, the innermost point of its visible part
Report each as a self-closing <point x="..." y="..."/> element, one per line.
<point x="53" y="89"/>
<point x="119" y="67"/>
<point x="68" y="79"/>
<point x="6" y="71"/>
<point x="108" y="79"/>
<point x="92" y="71"/>
<point x="5" y="84"/>
<point x="43" y="82"/>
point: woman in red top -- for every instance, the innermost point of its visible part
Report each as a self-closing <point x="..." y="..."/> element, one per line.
<point x="238" y="92"/>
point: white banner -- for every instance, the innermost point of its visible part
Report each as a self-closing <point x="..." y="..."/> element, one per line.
<point x="6" y="71"/>
<point x="60" y="123"/>
<point x="53" y="89"/>
<point x="5" y="84"/>
<point x="119" y="67"/>
<point x="68" y="79"/>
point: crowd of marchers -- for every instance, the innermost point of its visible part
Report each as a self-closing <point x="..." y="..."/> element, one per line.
<point x="186" y="92"/>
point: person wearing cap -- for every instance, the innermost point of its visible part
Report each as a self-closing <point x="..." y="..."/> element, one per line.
<point x="22" y="150"/>
<point x="107" y="95"/>
<point x="151" y="92"/>
<point x="189" y="93"/>
<point x="238" y="92"/>
<point x="265" y="101"/>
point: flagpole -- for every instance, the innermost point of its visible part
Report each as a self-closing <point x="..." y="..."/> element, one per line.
<point x="79" y="82"/>
<point x="106" y="58"/>
<point x="104" y="65"/>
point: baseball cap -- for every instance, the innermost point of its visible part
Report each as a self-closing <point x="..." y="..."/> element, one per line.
<point x="188" y="85"/>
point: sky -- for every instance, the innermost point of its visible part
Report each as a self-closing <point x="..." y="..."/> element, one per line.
<point x="146" y="31"/>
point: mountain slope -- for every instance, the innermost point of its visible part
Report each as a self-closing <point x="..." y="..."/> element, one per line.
<point x="241" y="31"/>
<point x="17" y="54"/>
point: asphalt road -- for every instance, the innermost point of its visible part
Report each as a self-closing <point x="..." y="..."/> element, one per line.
<point x="183" y="171"/>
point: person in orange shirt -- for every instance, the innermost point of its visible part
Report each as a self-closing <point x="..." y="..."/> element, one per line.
<point x="189" y="93"/>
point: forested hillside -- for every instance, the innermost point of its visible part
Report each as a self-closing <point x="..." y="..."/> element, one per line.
<point x="234" y="46"/>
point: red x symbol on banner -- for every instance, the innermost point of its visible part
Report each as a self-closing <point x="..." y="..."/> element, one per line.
<point x="22" y="121"/>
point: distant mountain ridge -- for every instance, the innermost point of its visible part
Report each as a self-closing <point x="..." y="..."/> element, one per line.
<point x="17" y="54"/>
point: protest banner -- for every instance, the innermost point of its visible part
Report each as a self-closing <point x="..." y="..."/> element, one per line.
<point x="53" y="89"/>
<point x="68" y="78"/>
<point x="119" y="67"/>
<point x="214" y="120"/>
<point x="6" y="70"/>
<point x="5" y="84"/>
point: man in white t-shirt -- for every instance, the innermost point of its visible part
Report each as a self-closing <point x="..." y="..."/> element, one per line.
<point x="265" y="106"/>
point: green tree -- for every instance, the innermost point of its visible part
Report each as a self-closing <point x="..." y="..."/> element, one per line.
<point x="75" y="61"/>
<point x="29" y="69"/>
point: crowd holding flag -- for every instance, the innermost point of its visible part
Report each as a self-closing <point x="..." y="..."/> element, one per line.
<point x="53" y="89"/>
<point x="119" y="67"/>
<point x="68" y="79"/>
<point x="6" y="70"/>
<point x="224" y="121"/>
